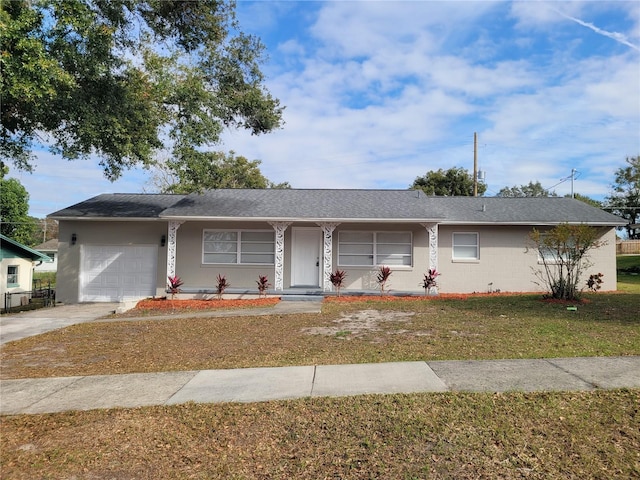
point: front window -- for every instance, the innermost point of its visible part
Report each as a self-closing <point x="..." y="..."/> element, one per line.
<point x="12" y="276"/>
<point x="238" y="247"/>
<point x="466" y="246"/>
<point x="550" y="253"/>
<point x="374" y="248"/>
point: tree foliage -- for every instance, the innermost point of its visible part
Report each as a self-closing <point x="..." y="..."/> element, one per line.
<point x="625" y="199"/>
<point x="44" y="229"/>
<point x="122" y="79"/>
<point x="211" y="170"/>
<point x="563" y="252"/>
<point x="15" y="221"/>
<point x="585" y="199"/>
<point x="452" y="182"/>
<point x="530" y="190"/>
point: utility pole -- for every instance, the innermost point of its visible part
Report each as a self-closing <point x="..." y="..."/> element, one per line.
<point x="573" y="174"/>
<point x="475" y="164"/>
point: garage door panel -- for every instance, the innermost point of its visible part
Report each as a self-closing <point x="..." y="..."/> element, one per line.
<point x="115" y="273"/>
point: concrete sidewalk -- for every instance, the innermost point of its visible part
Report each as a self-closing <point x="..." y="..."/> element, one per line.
<point x="46" y="395"/>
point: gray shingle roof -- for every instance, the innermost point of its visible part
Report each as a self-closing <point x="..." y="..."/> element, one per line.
<point x="303" y="204"/>
<point x="119" y="205"/>
<point x="48" y="246"/>
<point x="529" y="211"/>
<point x="341" y="205"/>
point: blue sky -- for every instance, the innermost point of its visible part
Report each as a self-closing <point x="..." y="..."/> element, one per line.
<point x="380" y="92"/>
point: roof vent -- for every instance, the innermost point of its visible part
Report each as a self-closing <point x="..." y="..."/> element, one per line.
<point x="484" y="207"/>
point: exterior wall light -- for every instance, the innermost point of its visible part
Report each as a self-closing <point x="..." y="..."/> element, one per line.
<point x="163" y="240"/>
<point x="74" y="238"/>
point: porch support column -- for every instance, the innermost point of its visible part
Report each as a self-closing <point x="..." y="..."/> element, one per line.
<point x="171" y="247"/>
<point x="432" y="229"/>
<point x="279" y="228"/>
<point x="327" y="254"/>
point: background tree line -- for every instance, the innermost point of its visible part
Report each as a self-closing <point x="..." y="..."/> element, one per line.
<point x="219" y="170"/>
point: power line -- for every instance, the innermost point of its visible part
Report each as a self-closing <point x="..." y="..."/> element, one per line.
<point x="565" y="179"/>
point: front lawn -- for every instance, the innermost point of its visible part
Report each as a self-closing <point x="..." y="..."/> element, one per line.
<point x="577" y="435"/>
<point x="628" y="267"/>
<point x="512" y="435"/>
<point x="373" y="330"/>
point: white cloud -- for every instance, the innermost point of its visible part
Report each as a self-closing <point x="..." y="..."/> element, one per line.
<point x="377" y="93"/>
<point x="377" y="106"/>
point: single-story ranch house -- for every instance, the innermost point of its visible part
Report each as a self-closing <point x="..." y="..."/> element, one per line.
<point x="115" y="247"/>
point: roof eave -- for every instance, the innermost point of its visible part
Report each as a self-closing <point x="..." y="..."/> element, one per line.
<point x="33" y="254"/>
<point x="302" y="219"/>
<point x="110" y="219"/>
<point x="532" y="223"/>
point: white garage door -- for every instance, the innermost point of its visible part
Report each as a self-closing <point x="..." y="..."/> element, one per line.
<point x="117" y="273"/>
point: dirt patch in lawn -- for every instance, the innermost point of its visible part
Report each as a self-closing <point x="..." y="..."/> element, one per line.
<point x="360" y="324"/>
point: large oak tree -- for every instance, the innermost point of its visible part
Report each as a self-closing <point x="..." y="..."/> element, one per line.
<point x="122" y="79"/>
<point x="625" y="199"/>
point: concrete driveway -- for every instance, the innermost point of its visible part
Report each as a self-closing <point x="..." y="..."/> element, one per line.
<point x="26" y="324"/>
<point x="16" y="326"/>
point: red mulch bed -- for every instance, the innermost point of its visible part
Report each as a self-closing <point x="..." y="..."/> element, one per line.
<point x="413" y="298"/>
<point x="165" y="304"/>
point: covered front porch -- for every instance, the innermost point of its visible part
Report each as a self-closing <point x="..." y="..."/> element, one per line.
<point x="303" y="255"/>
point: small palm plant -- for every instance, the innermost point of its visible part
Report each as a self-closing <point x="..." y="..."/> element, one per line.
<point x="337" y="279"/>
<point x="263" y="285"/>
<point x="383" y="276"/>
<point x="222" y="285"/>
<point x="429" y="280"/>
<point x="175" y="282"/>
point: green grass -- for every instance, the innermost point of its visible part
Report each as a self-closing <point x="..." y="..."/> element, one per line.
<point x="626" y="264"/>
<point x="627" y="261"/>
<point x="45" y="278"/>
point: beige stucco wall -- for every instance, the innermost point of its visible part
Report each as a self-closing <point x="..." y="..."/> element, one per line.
<point x="196" y="275"/>
<point x="103" y="233"/>
<point x="507" y="263"/>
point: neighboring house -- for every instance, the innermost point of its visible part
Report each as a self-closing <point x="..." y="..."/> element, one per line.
<point x="49" y="248"/>
<point x="16" y="263"/>
<point x="123" y="246"/>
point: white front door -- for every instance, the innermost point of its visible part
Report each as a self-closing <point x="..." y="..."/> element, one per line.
<point x="306" y="257"/>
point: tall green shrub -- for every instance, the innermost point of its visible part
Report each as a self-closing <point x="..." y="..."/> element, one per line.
<point x="563" y="255"/>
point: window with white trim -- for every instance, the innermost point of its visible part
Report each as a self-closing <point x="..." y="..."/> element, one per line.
<point x="466" y="246"/>
<point x="251" y="247"/>
<point x="551" y="253"/>
<point x="374" y="248"/>
<point x="12" y="276"/>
